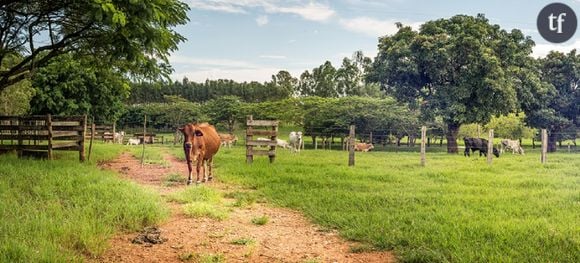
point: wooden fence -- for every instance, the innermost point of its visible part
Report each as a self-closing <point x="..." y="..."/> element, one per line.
<point x="43" y="134"/>
<point x="105" y="133"/>
<point x="272" y="133"/>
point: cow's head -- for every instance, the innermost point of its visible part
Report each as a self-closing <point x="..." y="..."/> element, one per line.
<point x="495" y="152"/>
<point x="193" y="144"/>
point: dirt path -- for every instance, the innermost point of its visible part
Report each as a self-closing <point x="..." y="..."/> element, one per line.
<point x="287" y="237"/>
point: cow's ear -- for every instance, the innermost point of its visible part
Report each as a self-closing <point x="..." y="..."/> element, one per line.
<point x="181" y="129"/>
<point x="198" y="133"/>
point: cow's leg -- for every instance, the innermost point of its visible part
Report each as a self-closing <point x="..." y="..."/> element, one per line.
<point x="198" y="170"/>
<point x="187" y="150"/>
<point x="466" y="152"/>
<point x="210" y="169"/>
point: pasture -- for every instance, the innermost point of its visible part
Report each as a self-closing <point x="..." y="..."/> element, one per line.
<point x="456" y="209"/>
<point x="64" y="211"/>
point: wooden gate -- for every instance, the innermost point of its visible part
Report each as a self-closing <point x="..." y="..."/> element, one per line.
<point x="268" y="128"/>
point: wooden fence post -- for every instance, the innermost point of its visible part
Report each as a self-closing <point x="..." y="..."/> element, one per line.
<point x="49" y="128"/>
<point x="144" y="133"/>
<point x="273" y="148"/>
<point x="92" y="138"/>
<point x="490" y="147"/>
<point x="249" y="137"/>
<point x="423" y="135"/>
<point x="82" y="141"/>
<point x="351" y="147"/>
<point x="543" y="157"/>
<point x="114" y="141"/>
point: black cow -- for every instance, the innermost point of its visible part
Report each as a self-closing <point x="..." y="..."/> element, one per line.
<point x="477" y="144"/>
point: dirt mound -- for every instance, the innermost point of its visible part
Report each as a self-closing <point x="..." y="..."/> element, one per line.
<point x="149" y="236"/>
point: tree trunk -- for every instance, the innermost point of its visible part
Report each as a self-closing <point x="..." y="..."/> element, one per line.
<point x="451" y="135"/>
<point x="552" y="141"/>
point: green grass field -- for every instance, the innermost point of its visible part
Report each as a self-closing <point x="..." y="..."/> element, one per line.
<point x="64" y="211"/>
<point x="456" y="209"/>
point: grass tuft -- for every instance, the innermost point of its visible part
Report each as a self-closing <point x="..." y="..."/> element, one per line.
<point x="205" y="209"/>
<point x="174" y="179"/>
<point x="262" y="220"/>
<point x="243" y="198"/>
<point x="243" y="241"/>
<point x="196" y="194"/>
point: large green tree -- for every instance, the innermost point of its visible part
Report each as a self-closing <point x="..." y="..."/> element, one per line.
<point x="554" y="103"/>
<point x="461" y="69"/>
<point x="133" y="37"/>
<point x="71" y="86"/>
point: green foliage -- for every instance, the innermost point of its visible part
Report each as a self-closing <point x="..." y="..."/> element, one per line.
<point x="456" y="209"/>
<point x="554" y="103"/>
<point x="63" y="211"/>
<point x="162" y="115"/>
<point x="129" y="37"/>
<point x="459" y="68"/>
<point x="73" y="86"/>
<point x="15" y="99"/>
<point x="333" y="116"/>
<point x="224" y="110"/>
<point x="510" y="127"/>
<point x="262" y="220"/>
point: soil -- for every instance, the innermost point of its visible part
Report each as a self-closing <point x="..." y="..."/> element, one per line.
<point x="287" y="237"/>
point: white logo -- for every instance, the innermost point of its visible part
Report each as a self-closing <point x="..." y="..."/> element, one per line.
<point x="559" y="19"/>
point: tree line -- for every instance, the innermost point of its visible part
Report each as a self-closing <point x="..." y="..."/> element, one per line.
<point x="454" y="71"/>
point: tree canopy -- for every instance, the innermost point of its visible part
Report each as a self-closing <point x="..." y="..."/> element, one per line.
<point x="459" y="68"/>
<point x="132" y="37"/>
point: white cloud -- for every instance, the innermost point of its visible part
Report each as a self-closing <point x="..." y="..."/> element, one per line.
<point x="374" y="27"/>
<point x="221" y="6"/>
<point x="309" y="10"/>
<point x="262" y="20"/>
<point x="541" y="50"/>
<point x="209" y="62"/>
<point x="273" y="56"/>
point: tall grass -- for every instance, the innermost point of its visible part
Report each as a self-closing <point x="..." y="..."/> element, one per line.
<point x="62" y="210"/>
<point x="456" y="209"/>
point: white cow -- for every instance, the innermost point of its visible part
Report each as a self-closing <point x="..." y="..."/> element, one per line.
<point x="134" y="141"/>
<point x="296" y="141"/>
<point x="118" y="137"/>
<point x="514" y="145"/>
<point x="282" y="143"/>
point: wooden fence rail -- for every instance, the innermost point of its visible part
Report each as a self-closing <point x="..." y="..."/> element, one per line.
<point x="43" y="134"/>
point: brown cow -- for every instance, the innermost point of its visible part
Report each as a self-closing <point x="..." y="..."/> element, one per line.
<point x="201" y="142"/>
<point x="363" y="147"/>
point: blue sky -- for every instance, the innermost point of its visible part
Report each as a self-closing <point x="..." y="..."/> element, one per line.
<point x="248" y="40"/>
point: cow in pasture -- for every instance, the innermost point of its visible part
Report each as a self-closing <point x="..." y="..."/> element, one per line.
<point x="296" y="141"/>
<point x="513" y="145"/>
<point x="118" y="137"/>
<point x="477" y="144"/>
<point x="363" y="147"/>
<point x="133" y="141"/>
<point x="227" y="139"/>
<point x="283" y="144"/>
<point x="201" y="142"/>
